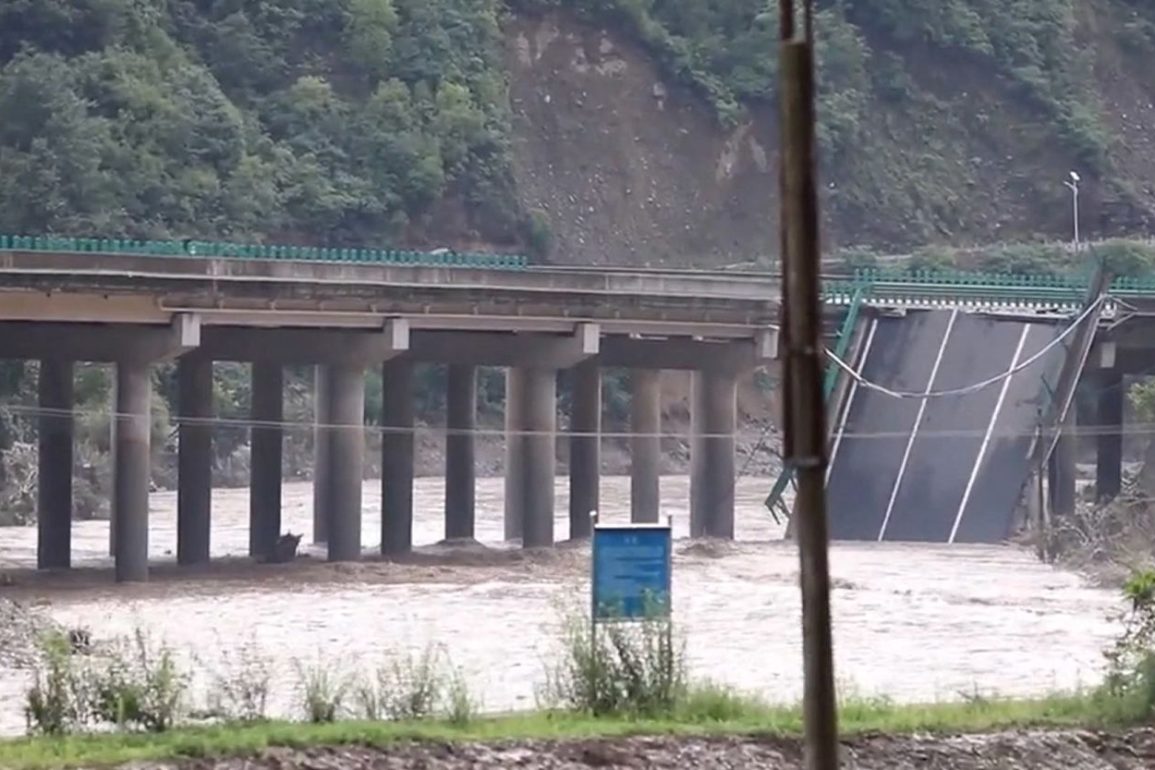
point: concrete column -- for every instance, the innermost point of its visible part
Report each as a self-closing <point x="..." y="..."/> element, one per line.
<point x="514" y="456"/>
<point x="460" y="470"/>
<point x="1062" y="470"/>
<point x="585" y="450"/>
<point x="320" y="456"/>
<point x="397" y="458"/>
<point x="132" y="458"/>
<point x="531" y="398"/>
<point x="54" y="503"/>
<point x="268" y="385"/>
<point x="112" y="401"/>
<point x="712" y="473"/>
<point x="1109" y="467"/>
<point x="345" y="396"/>
<point x="195" y="460"/>
<point x="645" y="445"/>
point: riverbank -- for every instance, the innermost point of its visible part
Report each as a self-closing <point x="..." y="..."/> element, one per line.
<point x="1071" y="732"/>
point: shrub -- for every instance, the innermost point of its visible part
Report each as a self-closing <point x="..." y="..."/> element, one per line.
<point x="1131" y="659"/>
<point x="55" y="703"/>
<point x="635" y="669"/>
<point x="140" y="686"/>
<point x="412" y="687"/>
<point x="323" y="692"/>
<point x="240" y="692"/>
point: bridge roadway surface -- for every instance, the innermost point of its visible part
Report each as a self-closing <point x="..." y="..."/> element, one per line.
<point x="946" y="469"/>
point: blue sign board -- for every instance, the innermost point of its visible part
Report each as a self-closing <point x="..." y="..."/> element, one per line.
<point x="631" y="571"/>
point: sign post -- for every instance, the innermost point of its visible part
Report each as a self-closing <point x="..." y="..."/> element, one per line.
<point x="631" y="569"/>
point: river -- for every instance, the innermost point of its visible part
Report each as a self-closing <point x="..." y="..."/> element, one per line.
<point x="913" y="622"/>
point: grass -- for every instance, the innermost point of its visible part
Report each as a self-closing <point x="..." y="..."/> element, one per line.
<point x="706" y="711"/>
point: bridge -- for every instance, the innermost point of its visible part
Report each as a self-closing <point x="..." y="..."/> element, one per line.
<point x="139" y="303"/>
<point x="64" y="301"/>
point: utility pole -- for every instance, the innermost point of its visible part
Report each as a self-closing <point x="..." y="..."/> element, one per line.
<point x="804" y="407"/>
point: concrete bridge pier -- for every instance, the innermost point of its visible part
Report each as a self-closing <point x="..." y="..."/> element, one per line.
<point x="585" y="447"/>
<point x="195" y="459"/>
<point x="1109" y="465"/>
<point x="397" y="446"/>
<point x="460" y="468"/>
<point x="712" y="472"/>
<point x="54" y="502"/>
<point x="1061" y="470"/>
<point x="645" y="445"/>
<point x="267" y="446"/>
<point x="531" y="424"/>
<point x="132" y="458"/>
<point x="344" y="445"/>
<point x="321" y="481"/>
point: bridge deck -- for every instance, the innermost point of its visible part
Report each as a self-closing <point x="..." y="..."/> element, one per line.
<point x="947" y="469"/>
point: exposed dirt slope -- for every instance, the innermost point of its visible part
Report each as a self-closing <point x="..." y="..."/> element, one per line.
<point x="629" y="168"/>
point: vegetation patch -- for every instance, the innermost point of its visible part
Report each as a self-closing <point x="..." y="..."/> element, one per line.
<point x="632" y="681"/>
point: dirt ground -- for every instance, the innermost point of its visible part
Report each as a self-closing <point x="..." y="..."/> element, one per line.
<point x="1074" y="750"/>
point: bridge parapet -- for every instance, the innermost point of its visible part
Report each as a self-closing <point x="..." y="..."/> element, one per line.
<point x="1011" y="292"/>
<point x="260" y="251"/>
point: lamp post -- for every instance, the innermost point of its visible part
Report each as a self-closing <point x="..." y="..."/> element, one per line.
<point x="1073" y="184"/>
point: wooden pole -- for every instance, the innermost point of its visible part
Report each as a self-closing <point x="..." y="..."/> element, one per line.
<point x="805" y="444"/>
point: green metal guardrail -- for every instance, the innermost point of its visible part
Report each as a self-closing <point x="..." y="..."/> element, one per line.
<point x="845" y="332"/>
<point x="226" y="250"/>
<point x="977" y="286"/>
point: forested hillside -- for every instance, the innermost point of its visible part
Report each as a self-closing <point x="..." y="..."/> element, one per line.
<point x="582" y="131"/>
<point x="390" y="121"/>
<point x="337" y="121"/>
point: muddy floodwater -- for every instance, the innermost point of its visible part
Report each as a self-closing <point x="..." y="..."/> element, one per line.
<point x="913" y="622"/>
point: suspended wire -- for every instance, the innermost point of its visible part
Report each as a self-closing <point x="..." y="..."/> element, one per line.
<point x="1131" y="428"/>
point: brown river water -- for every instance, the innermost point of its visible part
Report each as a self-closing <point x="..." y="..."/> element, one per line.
<point x="913" y="622"/>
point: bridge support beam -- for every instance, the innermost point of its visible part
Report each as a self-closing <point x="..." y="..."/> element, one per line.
<point x="460" y="470"/>
<point x="344" y="442"/>
<point x="585" y="447"/>
<point x="531" y="422"/>
<point x="54" y="502"/>
<point x="1109" y="465"/>
<point x="321" y="481"/>
<point x="645" y="445"/>
<point x="712" y="473"/>
<point x="268" y="385"/>
<point x="1062" y="469"/>
<point x="195" y="460"/>
<point x="397" y="447"/>
<point x="132" y="459"/>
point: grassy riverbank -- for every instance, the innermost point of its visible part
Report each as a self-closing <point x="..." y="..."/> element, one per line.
<point x="711" y="712"/>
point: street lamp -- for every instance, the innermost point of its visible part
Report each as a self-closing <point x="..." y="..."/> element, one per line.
<point x="1073" y="184"/>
